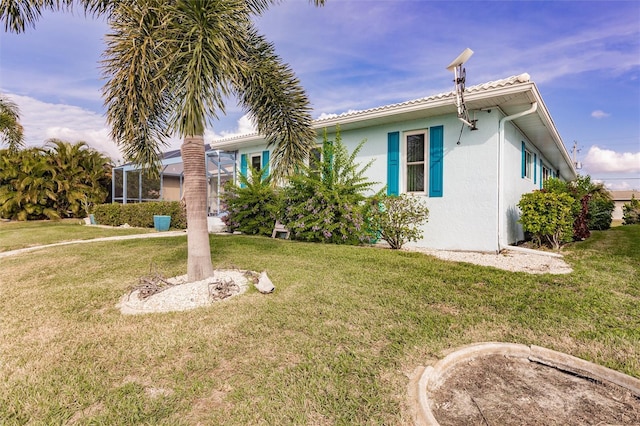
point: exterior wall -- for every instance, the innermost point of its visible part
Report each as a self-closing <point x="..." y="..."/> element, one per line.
<point x="617" y="210"/>
<point x="171" y="188"/>
<point x="464" y="217"/>
<point x="514" y="184"/>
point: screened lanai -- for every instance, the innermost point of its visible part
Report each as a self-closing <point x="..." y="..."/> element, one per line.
<point x="130" y="184"/>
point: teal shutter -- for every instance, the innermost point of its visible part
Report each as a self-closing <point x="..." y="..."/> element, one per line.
<point x="524" y="161"/>
<point x="243" y="167"/>
<point x="436" y="160"/>
<point x="265" y="163"/>
<point x="541" y="166"/>
<point x="393" y="163"/>
<point x="535" y="169"/>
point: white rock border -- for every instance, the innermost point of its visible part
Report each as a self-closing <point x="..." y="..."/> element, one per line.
<point x="182" y="296"/>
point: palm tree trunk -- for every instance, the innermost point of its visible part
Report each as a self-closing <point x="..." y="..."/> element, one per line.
<point x="199" y="264"/>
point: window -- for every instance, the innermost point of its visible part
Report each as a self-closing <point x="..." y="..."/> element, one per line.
<point x="315" y="158"/>
<point x="256" y="162"/>
<point x="528" y="161"/>
<point x="416" y="154"/>
<point x="546" y="173"/>
<point x="415" y="162"/>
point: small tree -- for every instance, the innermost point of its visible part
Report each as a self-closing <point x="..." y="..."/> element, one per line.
<point x="631" y="212"/>
<point x="548" y="216"/>
<point x="398" y="218"/>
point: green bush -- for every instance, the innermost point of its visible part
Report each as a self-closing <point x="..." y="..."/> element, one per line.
<point x="324" y="202"/>
<point x="600" y="213"/>
<point x="631" y="212"/>
<point x="252" y="207"/>
<point x="593" y="206"/>
<point x="398" y="218"/>
<point x="548" y="216"/>
<point x="140" y="214"/>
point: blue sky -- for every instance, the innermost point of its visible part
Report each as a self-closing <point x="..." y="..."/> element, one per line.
<point x="357" y="54"/>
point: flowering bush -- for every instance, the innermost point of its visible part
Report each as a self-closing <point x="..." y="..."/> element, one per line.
<point x="398" y="218"/>
<point x="253" y="206"/>
<point x="324" y="202"/>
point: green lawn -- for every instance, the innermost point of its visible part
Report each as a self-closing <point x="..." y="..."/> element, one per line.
<point x="334" y="344"/>
<point x="17" y="235"/>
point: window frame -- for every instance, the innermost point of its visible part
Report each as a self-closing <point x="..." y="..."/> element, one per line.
<point x="528" y="171"/>
<point x="251" y="156"/>
<point x="425" y="161"/>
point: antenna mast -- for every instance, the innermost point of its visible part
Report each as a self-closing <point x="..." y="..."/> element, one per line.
<point x="576" y="163"/>
<point x="459" y="78"/>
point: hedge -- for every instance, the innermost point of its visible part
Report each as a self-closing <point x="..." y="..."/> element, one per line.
<point x="140" y="214"/>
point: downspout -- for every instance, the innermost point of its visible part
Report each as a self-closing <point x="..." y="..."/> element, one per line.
<point x="502" y="244"/>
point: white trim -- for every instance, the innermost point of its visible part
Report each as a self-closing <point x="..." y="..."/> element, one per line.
<point x="405" y="164"/>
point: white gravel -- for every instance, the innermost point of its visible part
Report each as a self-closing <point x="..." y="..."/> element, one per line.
<point x="509" y="260"/>
<point x="182" y="296"/>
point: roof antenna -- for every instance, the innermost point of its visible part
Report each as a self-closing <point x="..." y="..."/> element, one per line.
<point x="459" y="77"/>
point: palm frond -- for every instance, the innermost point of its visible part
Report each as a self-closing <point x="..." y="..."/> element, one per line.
<point x="269" y="89"/>
<point x="11" y="131"/>
<point x="202" y="40"/>
<point x="137" y="94"/>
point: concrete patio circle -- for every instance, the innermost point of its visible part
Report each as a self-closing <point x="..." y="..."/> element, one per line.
<point x="505" y="383"/>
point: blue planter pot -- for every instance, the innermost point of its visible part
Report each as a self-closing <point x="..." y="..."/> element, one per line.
<point x="161" y="223"/>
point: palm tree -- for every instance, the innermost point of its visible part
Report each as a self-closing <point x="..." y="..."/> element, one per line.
<point x="170" y="66"/>
<point x="26" y="188"/>
<point x="80" y="174"/>
<point x="10" y="127"/>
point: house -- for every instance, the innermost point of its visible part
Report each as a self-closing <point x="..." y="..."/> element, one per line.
<point x="620" y="198"/>
<point x="471" y="180"/>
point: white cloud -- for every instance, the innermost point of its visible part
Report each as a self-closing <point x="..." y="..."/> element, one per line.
<point x="42" y="121"/>
<point x="245" y="125"/>
<point x="607" y="161"/>
<point x="600" y="114"/>
<point x="620" y="186"/>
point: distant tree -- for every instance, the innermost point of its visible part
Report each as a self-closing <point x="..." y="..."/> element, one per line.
<point x="27" y="190"/>
<point x="81" y="176"/>
<point x="631" y="212"/>
<point x="11" y="132"/>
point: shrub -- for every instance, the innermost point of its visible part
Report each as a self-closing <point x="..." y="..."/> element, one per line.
<point x="548" y="216"/>
<point x="140" y="214"/>
<point x="593" y="205"/>
<point x="600" y="213"/>
<point x="324" y="201"/>
<point x="631" y="212"/>
<point x="253" y="206"/>
<point x="398" y="218"/>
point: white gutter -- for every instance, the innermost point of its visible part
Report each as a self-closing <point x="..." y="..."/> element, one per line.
<point x="534" y="107"/>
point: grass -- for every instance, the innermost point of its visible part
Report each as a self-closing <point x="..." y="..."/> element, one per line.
<point x="334" y="344"/>
<point x="17" y="235"/>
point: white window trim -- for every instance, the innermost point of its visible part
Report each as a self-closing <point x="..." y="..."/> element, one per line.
<point x="528" y="164"/>
<point x="404" y="163"/>
<point x="253" y="155"/>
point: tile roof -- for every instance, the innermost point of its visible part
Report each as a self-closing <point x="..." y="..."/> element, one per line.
<point x="496" y="84"/>
<point x="510" y="81"/>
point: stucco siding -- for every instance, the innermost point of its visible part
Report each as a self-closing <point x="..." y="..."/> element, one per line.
<point x="514" y="184"/>
<point x="464" y="217"/>
<point x="171" y="188"/>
